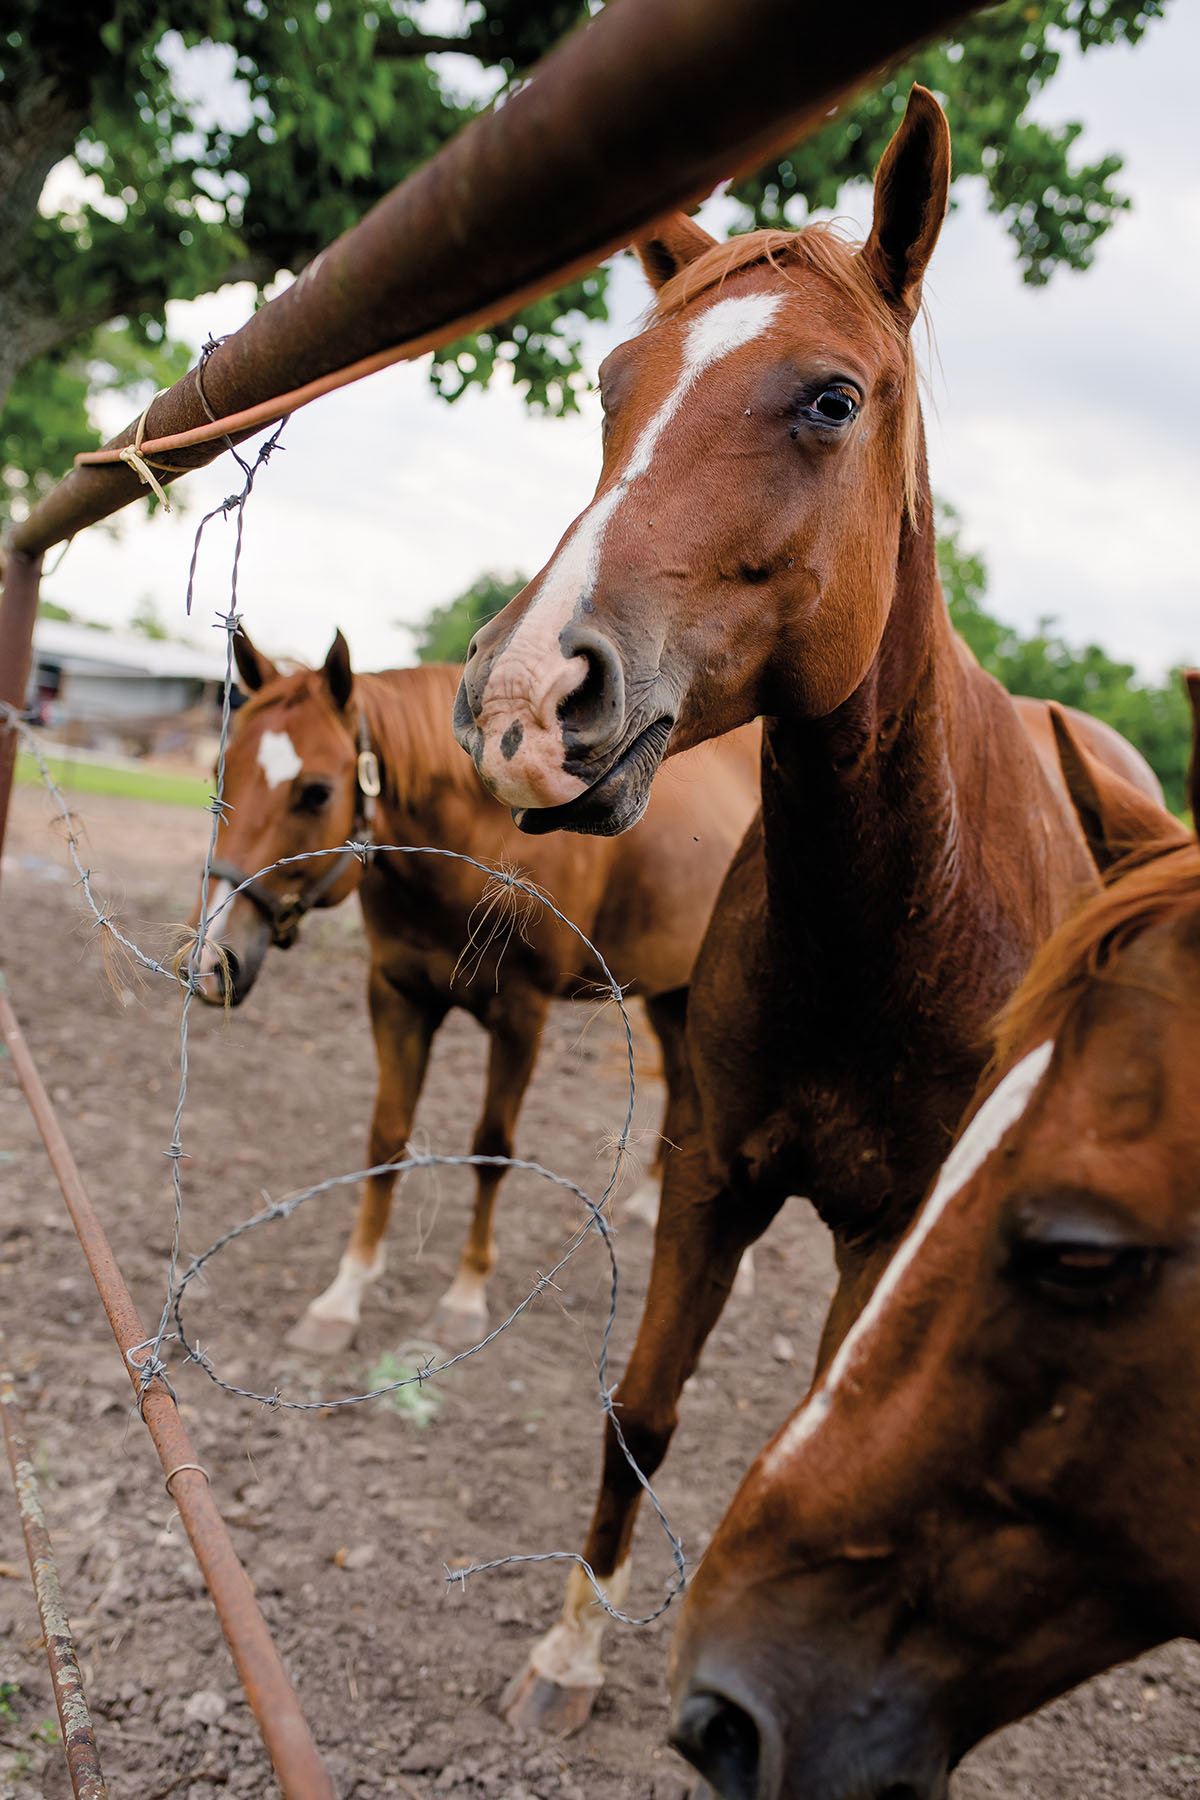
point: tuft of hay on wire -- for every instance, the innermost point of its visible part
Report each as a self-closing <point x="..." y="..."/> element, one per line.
<point x="501" y="910"/>
<point x="188" y="943"/>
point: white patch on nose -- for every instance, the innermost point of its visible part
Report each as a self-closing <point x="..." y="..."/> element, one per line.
<point x="991" y="1124"/>
<point x="277" y="758"/>
<point x="218" y="894"/>
<point x="529" y="672"/>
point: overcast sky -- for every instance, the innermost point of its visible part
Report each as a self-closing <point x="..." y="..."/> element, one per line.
<point x="1062" y="424"/>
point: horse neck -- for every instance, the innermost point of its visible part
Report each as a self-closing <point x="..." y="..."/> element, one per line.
<point x="861" y="809"/>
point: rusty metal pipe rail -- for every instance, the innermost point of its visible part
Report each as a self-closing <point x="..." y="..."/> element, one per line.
<point x="285" y="1733"/>
<point x="78" y="1734"/>
<point x="644" y="109"/>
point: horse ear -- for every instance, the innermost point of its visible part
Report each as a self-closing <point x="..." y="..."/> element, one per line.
<point x="254" y="668"/>
<point x="339" y="677"/>
<point x="1192" y="682"/>
<point x="1115" y="816"/>
<point x="670" y="246"/>
<point x="912" y="191"/>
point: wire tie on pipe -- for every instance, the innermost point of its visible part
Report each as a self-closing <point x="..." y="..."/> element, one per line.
<point x="178" y="1470"/>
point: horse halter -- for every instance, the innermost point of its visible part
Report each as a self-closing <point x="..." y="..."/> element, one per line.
<point x="283" y="912"/>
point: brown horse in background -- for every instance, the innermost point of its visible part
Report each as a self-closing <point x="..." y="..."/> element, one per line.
<point x="305" y="752"/>
<point x="762" y="541"/>
<point x="991" y="1493"/>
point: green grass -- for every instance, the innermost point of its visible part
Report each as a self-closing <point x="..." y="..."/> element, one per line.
<point x="132" y="784"/>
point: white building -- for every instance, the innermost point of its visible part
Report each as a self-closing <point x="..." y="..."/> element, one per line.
<point x="82" y="676"/>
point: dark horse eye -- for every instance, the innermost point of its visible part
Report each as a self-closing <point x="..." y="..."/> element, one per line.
<point x="312" y="796"/>
<point x="837" y="404"/>
<point x="1082" y="1275"/>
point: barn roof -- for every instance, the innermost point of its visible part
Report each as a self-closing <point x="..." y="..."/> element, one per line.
<point x="79" y="649"/>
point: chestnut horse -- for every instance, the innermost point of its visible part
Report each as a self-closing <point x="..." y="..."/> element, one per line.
<point x="990" y="1495"/>
<point x="762" y="542"/>
<point x="305" y="754"/>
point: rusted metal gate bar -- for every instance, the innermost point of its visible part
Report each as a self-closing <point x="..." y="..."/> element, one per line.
<point x="18" y="610"/>
<point x="645" y="109"/>
<point x="79" y="1739"/>
<point x="276" y="1708"/>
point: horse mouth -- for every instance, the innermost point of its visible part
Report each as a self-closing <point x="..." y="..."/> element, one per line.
<point x="615" y="801"/>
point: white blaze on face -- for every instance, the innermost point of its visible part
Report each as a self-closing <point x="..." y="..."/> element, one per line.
<point x="987" y="1130"/>
<point x="531" y="676"/>
<point x="277" y="758"/>
<point x="217" y="912"/>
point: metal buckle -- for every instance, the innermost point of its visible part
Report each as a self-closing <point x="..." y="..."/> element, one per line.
<point x="368" y="774"/>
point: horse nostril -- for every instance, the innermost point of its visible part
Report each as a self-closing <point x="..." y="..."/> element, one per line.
<point x="594" y="710"/>
<point x="721" y="1740"/>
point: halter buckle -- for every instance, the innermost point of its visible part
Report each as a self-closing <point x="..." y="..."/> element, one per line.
<point x="369" y="783"/>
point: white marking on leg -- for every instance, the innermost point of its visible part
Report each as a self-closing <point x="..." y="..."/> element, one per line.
<point x="987" y="1130"/>
<point x="642" y="1205"/>
<point x="277" y="758"/>
<point x="744" y="1282"/>
<point x="531" y="675"/>
<point x="467" y="1293"/>
<point x="569" y="1655"/>
<point x="342" y="1299"/>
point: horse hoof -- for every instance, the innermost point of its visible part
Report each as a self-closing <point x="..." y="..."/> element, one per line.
<point x="531" y="1704"/>
<point x="320" y="1337"/>
<point x="453" y="1329"/>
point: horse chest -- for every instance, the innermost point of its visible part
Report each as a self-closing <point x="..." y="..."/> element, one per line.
<point x="862" y="1141"/>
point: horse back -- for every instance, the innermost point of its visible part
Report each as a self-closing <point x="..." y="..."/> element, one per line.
<point x="1106" y="745"/>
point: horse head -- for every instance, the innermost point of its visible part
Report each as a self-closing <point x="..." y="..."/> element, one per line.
<point x="988" y="1495"/>
<point x="292" y="790"/>
<point x="762" y="450"/>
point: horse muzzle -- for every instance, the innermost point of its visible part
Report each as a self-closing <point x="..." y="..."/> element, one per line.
<point x="747" y="1747"/>
<point x="551" y="735"/>
<point x="781" y="1695"/>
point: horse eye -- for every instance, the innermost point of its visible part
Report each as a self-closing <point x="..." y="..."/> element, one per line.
<point x="836" y="404"/>
<point x="1080" y="1275"/>
<point x="313" y="796"/>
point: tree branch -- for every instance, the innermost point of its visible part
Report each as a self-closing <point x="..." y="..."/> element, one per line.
<point x="486" y="47"/>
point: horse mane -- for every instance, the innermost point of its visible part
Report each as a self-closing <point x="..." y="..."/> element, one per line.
<point x="408" y="713"/>
<point x="820" y="249"/>
<point x="1159" y="882"/>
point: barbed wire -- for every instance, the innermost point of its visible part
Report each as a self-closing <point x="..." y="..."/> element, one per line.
<point x="148" y="1358"/>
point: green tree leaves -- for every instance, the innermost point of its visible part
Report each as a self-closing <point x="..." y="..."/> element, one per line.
<point x="448" y="630"/>
<point x="1054" y="208"/>
<point x="224" y="140"/>
<point x="1156" y="718"/>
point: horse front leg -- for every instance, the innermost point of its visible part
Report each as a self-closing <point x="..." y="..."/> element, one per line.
<point x="701" y="1233"/>
<point x="403" y="1031"/>
<point x="667" y="1015"/>
<point x="461" y="1318"/>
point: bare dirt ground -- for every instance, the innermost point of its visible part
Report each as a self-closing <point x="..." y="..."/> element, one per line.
<point x="346" y="1518"/>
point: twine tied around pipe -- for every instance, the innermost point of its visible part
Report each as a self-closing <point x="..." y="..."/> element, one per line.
<point x="132" y="456"/>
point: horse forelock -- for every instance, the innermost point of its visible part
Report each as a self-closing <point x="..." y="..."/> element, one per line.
<point x="1161" y="883"/>
<point x="826" y="251"/>
<point x="408" y="714"/>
